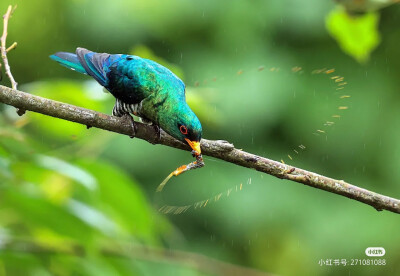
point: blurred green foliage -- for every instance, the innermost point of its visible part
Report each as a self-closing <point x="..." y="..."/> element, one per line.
<point x="356" y="6"/>
<point x="357" y="35"/>
<point x="70" y="195"/>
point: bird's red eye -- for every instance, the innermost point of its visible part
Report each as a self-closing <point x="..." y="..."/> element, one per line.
<point x="183" y="130"/>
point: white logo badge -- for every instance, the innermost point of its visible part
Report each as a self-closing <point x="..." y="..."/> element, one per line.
<point x="375" y="251"/>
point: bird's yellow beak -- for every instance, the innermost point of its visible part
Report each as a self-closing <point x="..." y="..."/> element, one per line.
<point x="195" y="146"/>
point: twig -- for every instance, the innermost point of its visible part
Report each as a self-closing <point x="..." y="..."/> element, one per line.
<point x="3" y="47"/>
<point x="180" y="258"/>
<point x="218" y="149"/>
<point x="4" y="50"/>
<point x="12" y="47"/>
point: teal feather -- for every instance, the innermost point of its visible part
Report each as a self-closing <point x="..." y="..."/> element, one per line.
<point x="69" y="60"/>
<point x="140" y="85"/>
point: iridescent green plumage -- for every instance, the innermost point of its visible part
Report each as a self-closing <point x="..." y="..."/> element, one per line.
<point x="144" y="88"/>
<point x="140" y="85"/>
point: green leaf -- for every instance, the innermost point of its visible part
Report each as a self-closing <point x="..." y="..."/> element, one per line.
<point x="37" y="212"/>
<point x="67" y="169"/>
<point x="357" y="35"/>
<point x="123" y="200"/>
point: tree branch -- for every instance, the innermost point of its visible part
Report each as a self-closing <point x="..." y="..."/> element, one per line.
<point x="219" y="149"/>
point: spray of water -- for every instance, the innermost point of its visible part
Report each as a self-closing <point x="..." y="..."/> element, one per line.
<point x="321" y="130"/>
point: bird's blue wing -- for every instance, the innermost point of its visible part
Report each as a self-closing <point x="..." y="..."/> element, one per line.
<point x="129" y="78"/>
<point x="86" y="62"/>
<point x="93" y="63"/>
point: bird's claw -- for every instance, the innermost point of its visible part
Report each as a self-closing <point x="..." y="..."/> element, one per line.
<point x="158" y="132"/>
<point x="133" y="125"/>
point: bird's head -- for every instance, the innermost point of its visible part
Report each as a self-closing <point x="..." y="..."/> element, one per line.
<point x="186" y="127"/>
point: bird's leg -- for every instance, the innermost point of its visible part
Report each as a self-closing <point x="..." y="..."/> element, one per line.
<point x="133" y="125"/>
<point x="158" y="132"/>
<point x="119" y="111"/>
<point x="156" y="128"/>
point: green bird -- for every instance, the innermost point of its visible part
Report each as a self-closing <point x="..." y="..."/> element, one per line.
<point x="144" y="88"/>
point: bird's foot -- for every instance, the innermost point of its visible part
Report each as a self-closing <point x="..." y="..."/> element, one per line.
<point x="133" y="125"/>
<point x="158" y="132"/>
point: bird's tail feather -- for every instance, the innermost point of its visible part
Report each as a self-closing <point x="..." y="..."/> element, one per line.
<point x="93" y="63"/>
<point x="69" y="60"/>
<point x="85" y="62"/>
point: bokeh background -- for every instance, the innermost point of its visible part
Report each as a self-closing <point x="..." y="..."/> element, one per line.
<point x="82" y="202"/>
